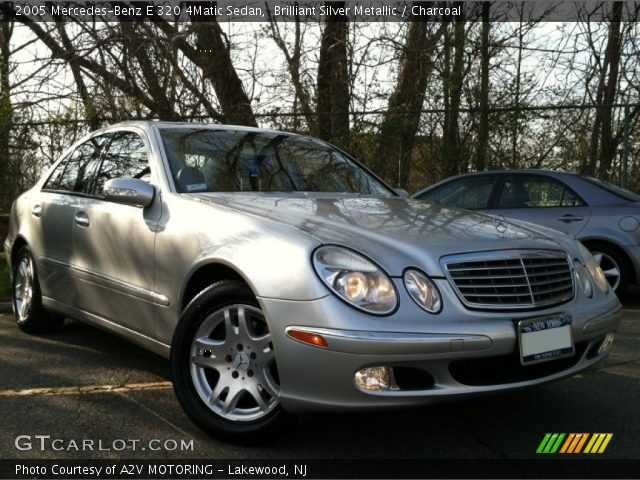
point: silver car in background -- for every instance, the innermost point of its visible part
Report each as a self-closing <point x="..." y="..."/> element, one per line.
<point x="603" y="216"/>
<point x="279" y="275"/>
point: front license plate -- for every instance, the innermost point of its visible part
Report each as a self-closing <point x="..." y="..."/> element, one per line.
<point x="545" y="338"/>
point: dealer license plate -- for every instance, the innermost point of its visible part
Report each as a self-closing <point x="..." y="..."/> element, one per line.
<point x="545" y="338"/>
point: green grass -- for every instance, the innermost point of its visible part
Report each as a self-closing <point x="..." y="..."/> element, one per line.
<point x="5" y="282"/>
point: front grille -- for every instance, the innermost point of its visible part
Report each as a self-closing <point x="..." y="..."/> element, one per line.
<point x="511" y="279"/>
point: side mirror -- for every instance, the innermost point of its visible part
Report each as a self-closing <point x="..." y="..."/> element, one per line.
<point x="129" y="191"/>
<point x="401" y="192"/>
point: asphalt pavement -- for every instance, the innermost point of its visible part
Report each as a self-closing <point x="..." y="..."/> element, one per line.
<point x="81" y="384"/>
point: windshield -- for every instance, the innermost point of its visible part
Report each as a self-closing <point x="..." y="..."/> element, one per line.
<point x="616" y="190"/>
<point x="210" y="160"/>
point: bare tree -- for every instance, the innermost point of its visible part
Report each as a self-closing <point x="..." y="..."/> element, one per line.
<point x="401" y="121"/>
<point x="293" y="58"/>
<point x="603" y="147"/>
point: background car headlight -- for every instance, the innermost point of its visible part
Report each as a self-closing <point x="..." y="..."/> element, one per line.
<point x="583" y="278"/>
<point x="355" y="279"/>
<point x="423" y="291"/>
<point x="593" y="268"/>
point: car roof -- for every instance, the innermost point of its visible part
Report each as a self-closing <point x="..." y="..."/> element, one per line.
<point x="145" y="124"/>
<point x="556" y="173"/>
<point x="517" y="171"/>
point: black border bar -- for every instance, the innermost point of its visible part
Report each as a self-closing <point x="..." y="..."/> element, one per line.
<point x="578" y="467"/>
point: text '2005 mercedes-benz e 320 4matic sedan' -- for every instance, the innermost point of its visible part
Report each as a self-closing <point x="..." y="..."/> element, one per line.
<point x="280" y="275"/>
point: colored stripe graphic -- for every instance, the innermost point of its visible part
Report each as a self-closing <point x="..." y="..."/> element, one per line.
<point x="543" y="443"/>
<point x="598" y="443"/>
<point x="607" y="439"/>
<point x="581" y="442"/>
<point x="576" y="438"/>
<point x="555" y="447"/>
<point x="567" y="443"/>
<point x="573" y="443"/>
<point x="591" y="442"/>
<point x="550" y="443"/>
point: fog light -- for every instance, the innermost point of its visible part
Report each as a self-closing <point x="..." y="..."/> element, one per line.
<point x="606" y="343"/>
<point x="373" y="378"/>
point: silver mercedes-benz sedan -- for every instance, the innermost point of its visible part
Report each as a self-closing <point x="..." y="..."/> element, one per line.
<point x="280" y="275"/>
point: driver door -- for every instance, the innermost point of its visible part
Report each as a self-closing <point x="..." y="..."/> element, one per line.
<point x="114" y="243"/>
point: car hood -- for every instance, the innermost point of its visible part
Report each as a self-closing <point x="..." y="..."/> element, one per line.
<point x="394" y="232"/>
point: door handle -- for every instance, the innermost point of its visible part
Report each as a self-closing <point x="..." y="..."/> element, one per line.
<point x="82" y="219"/>
<point x="37" y="210"/>
<point x="568" y="218"/>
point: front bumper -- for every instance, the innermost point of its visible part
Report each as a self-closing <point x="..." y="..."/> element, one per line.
<point x="455" y="354"/>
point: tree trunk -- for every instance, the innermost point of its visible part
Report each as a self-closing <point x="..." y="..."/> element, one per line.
<point x="333" y="81"/>
<point x="612" y="60"/>
<point x="212" y="56"/>
<point x="218" y="68"/>
<point x="402" y="119"/>
<point x="452" y="151"/>
<point x="6" y="114"/>
<point x="514" y="160"/>
<point x="483" y="130"/>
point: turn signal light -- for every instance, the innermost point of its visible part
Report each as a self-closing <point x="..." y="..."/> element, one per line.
<point x="308" y="337"/>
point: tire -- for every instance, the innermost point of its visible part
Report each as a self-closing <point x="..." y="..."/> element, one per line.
<point x="223" y="365"/>
<point x="613" y="264"/>
<point x="29" y="313"/>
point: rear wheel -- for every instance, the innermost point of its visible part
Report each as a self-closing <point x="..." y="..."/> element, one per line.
<point x="224" y="367"/>
<point x="30" y="315"/>
<point x="613" y="265"/>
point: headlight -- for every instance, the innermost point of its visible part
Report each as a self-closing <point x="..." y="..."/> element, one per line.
<point x="583" y="278"/>
<point x="593" y="268"/>
<point x="355" y="279"/>
<point x="423" y="291"/>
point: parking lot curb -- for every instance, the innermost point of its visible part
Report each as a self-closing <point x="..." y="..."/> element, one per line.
<point x="5" y="307"/>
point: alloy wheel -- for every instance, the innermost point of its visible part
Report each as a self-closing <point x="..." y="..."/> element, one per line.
<point x="233" y="365"/>
<point x="609" y="267"/>
<point x="23" y="289"/>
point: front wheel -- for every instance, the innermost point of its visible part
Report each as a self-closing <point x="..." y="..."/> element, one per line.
<point x="224" y="368"/>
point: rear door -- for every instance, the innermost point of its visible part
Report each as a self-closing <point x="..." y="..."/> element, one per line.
<point x="114" y="243"/>
<point x="543" y="200"/>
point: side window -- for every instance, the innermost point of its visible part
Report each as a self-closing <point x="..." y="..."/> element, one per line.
<point x="78" y="174"/>
<point x="533" y="191"/>
<point x="54" y="179"/>
<point x="126" y="157"/>
<point x="472" y="193"/>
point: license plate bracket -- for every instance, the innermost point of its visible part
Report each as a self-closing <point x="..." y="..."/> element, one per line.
<point x="545" y="338"/>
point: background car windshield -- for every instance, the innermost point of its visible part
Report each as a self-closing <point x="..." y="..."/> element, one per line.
<point x="209" y="160"/>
